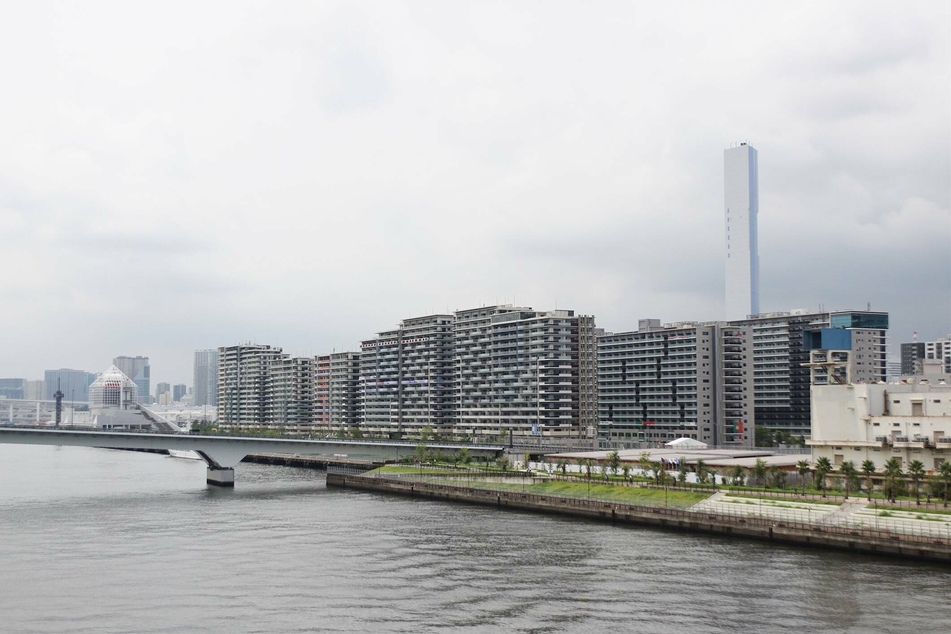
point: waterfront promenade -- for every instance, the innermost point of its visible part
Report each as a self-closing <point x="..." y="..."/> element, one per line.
<point x="912" y="532"/>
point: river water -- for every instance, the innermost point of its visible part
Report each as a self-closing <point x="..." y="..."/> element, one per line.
<point x="96" y="540"/>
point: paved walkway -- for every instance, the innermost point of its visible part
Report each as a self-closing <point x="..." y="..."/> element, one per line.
<point x="851" y="513"/>
<point x="843" y="514"/>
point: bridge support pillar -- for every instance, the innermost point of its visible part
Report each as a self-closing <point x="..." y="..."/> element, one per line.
<point x="221" y="477"/>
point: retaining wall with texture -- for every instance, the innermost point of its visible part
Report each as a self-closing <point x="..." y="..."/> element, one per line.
<point x="840" y="538"/>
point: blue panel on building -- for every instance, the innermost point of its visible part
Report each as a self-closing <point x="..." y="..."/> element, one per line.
<point x="828" y="339"/>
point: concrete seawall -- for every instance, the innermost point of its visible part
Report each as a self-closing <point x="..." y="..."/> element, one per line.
<point x="852" y="540"/>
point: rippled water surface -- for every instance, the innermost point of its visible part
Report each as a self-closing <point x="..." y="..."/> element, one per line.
<point x="95" y="540"/>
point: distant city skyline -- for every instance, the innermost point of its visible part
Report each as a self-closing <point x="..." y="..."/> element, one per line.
<point x="159" y="199"/>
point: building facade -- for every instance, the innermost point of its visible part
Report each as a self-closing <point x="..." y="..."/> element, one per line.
<point x="74" y="384"/>
<point x="782" y="343"/>
<point x="289" y="396"/>
<point x="322" y="392"/>
<point x="206" y="377"/>
<point x="406" y="377"/>
<point x="343" y="391"/>
<point x="12" y="388"/>
<point x="243" y="384"/>
<point x="741" y="209"/>
<point x="685" y="380"/>
<point x="34" y="390"/>
<point x="479" y="372"/>
<point x="939" y="350"/>
<point x="113" y="389"/>
<point x="909" y="420"/>
<point x="911" y="356"/>
<point x="137" y="369"/>
<point x="525" y="372"/>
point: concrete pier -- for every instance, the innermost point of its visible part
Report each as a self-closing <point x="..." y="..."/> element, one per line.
<point x="221" y="477"/>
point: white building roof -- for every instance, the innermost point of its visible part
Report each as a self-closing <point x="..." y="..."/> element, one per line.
<point x="686" y="443"/>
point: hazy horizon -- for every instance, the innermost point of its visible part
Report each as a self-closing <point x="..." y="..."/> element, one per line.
<point x="183" y="176"/>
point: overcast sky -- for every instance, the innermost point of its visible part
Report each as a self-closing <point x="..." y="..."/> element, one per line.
<point x="185" y="175"/>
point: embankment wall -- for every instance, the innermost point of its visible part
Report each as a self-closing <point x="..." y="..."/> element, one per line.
<point x="825" y="536"/>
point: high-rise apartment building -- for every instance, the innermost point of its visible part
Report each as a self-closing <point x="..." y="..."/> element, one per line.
<point x="178" y="392"/>
<point x="12" y="388"/>
<point x="406" y="377"/>
<point x="206" y="377"/>
<point x="782" y="343"/>
<point x="741" y="196"/>
<point x="481" y="372"/>
<point x="911" y="356"/>
<point x="160" y="390"/>
<point x="343" y="390"/>
<point x="525" y="371"/>
<point x="74" y="384"/>
<point x="289" y="393"/>
<point x="940" y="350"/>
<point x="690" y="380"/>
<point x="34" y="390"/>
<point x="137" y="369"/>
<point x="322" y="392"/>
<point x="243" y="375"/>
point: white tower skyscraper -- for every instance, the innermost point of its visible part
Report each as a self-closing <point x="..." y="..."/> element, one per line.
<point x="741" y="195"/>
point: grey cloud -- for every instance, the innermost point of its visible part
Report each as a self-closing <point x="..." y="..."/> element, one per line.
<point x="308" y="174"/>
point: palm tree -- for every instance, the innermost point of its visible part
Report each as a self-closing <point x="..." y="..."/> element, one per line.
<point x="803" y="469"/>
<point x="682" y="471"/>
<point x="823" y="468"/>
<point x="702" y="472"/>
<point x="759" y="472"/>
<point x="847" y="469"/>
<point x="916" y="469"/>
<point x="777" y="477"/>
<point x="944" y="475"/>
<point x="737" y="475"/>
<point x="644" y="462"/>
<point x="614" y="461"/>
<point x="868" y="468"/>
<point x="892" y="473"/>
<point x="585" y="467"/>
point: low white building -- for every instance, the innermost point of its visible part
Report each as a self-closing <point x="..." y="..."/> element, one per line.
<point x="909" y="420"/>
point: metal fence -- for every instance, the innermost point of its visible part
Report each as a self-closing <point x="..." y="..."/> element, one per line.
<point x="877" y="528"/>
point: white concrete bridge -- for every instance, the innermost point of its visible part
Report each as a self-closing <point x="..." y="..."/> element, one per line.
<point x="222" y="453"/>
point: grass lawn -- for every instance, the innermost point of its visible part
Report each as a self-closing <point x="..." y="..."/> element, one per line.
<point x="909" y="509"/>
<point x="766" y="498"/>
<point x="417" y="470"/>
<point x="605" y="492"/>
